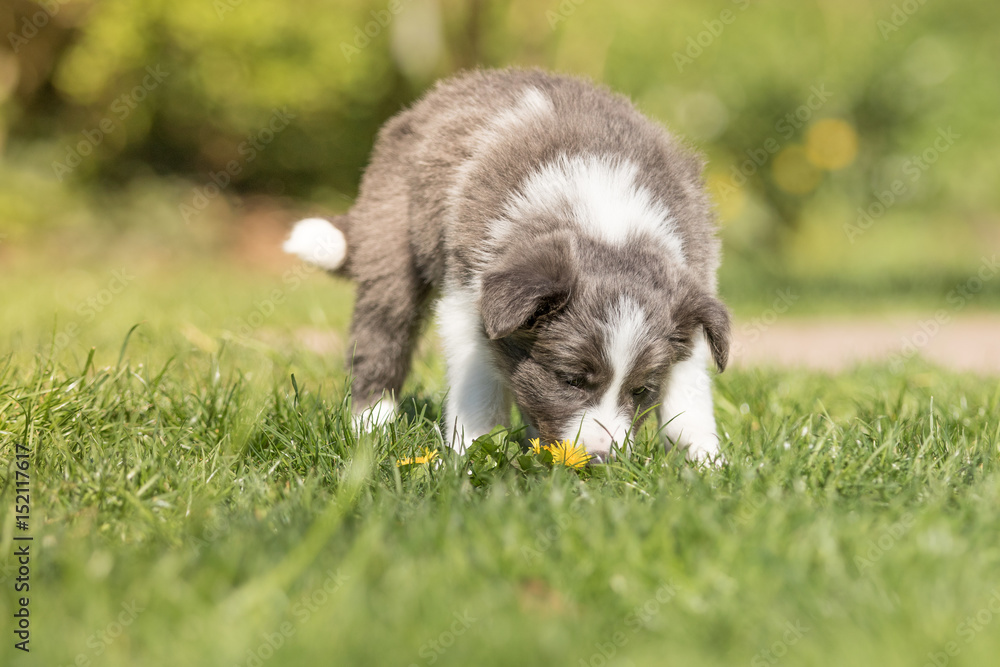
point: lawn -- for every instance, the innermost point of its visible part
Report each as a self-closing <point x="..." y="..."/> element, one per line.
<point x="197" y="498"/>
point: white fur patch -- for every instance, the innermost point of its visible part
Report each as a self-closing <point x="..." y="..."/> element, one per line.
<point x="625" y="329"/>
<point x="602" y="197"/>
<point x="376" y="416"/>
<point x="687" y="406"/>
<point x="317" y="242"/>
<point x="477" y="400"/>
<point x="532" y="105"/>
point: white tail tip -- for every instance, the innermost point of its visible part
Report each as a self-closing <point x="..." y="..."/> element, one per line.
<point x="318" y="242"/>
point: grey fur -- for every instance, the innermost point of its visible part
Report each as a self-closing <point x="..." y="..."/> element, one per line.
<point x="425" y="209"/>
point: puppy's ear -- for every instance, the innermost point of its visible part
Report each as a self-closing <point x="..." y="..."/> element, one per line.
<point x="531" y="281"/>
<point x="697" y="308"/>
<point x="714" y="319"/>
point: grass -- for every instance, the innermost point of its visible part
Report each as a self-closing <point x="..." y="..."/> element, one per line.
<point x="193" y="504"/>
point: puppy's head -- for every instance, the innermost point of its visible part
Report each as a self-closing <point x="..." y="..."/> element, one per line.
<point x="586" y="335"/>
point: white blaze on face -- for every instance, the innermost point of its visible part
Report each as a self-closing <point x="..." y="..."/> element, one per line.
<point x="625" y="330"/>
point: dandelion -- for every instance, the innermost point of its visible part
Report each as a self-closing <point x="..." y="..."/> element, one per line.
<point x="428" y="456"/>
<point x="566" y="453"/>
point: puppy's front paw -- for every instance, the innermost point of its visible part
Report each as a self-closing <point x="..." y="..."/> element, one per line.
<point x="703" y="448"/>
<point x="375" y="416"/>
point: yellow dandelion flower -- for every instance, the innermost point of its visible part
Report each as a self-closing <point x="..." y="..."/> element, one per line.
<point x="566" y="453"/>
<point x="428" y="456"/>
<point x="569" y="454"/>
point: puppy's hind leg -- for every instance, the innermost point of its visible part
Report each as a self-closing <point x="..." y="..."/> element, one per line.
<point x="477" y="400"/>
<point x="687" y="411"/>
<point x="387" y="316"/>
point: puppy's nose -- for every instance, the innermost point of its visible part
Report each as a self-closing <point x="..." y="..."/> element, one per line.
<point x="597" y="442"/>
<point x="599" y="455"/>
<point x="599" y="447"/>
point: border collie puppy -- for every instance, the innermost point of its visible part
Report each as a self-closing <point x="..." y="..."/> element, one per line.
<point x="570" y="247"/>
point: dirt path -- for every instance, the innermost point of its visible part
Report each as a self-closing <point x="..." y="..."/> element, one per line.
<point x="968" y="343"/>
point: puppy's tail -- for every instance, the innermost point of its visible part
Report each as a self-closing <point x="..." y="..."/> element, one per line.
<point x="321" y="242"/>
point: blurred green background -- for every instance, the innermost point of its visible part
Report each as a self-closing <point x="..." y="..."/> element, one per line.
<point x="181" y="381"/>
<point x="851" y="144"/>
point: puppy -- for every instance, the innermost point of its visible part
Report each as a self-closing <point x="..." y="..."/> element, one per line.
<point x="573" y="250"/>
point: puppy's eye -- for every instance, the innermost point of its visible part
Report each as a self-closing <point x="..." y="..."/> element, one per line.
<point x="640" y="392"/>
<point x="577" y="381"/>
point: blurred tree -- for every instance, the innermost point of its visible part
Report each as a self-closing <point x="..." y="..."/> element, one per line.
<point x="127" y="88"/>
